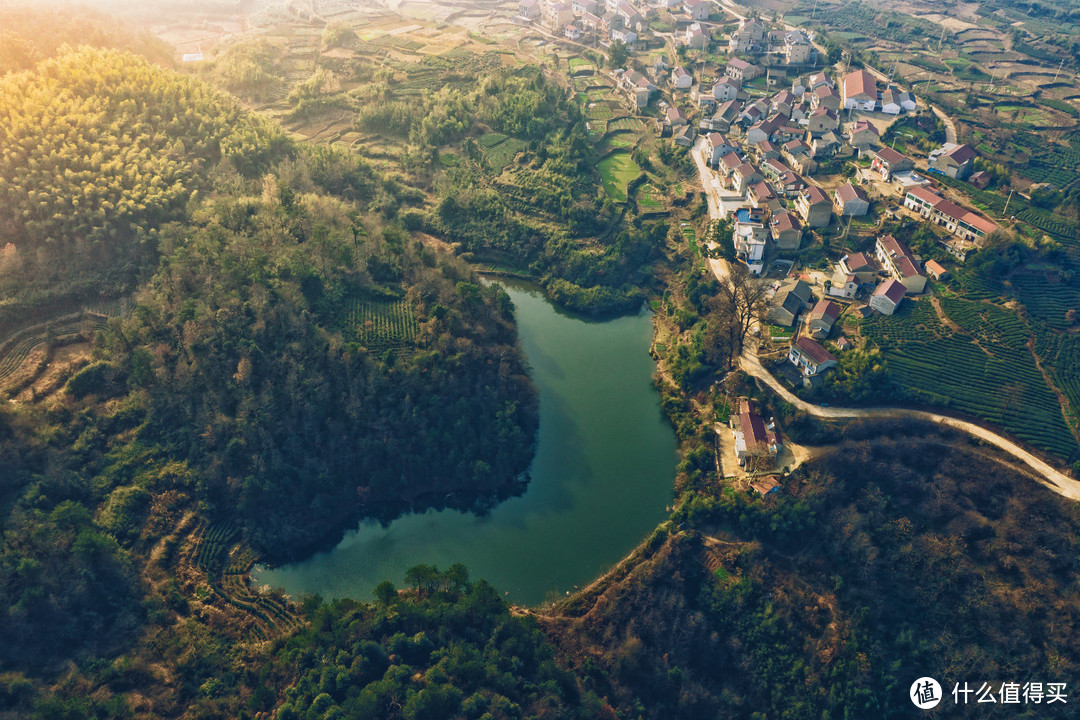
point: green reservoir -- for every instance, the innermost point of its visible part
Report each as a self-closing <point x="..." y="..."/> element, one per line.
<point x="600" y="481"/>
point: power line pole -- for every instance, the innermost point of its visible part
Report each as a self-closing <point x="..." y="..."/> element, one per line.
<point x="1005" y="212"/>
<point x="1060" y="65"/>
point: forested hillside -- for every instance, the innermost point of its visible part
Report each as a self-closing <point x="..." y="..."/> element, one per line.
<point x="885" y="561"/>
<point x="295" y="361"/>
<point x="97" y="148"/>
<point x="260" y="351"/>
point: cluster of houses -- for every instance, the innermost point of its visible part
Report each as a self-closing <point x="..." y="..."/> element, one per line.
<point x="893" y="272"/>
<point x="884" y="278"/>
<point x="606" y="21"/>
<point x="967" y="226"/>
<point x="806" y="353"/>
<point x="860" y="92"/>
<point x="795" y="47"/>
<point x="766" y="149"/>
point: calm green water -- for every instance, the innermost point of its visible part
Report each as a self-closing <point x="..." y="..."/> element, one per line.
<point x="600" y="481"/>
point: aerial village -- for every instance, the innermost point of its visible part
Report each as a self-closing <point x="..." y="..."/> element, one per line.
<point x="787" y="139"/>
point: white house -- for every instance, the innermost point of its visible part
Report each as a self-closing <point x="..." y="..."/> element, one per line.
<point x="890" y="102"/>
<point x="896" y="258"/>
<point x="752" y="437"/>
<point x="681" y="79"/>
<point x="529" y="9"/>
<point x="749" y="237"/>
<point x="843" y="285"/>
<point x="742" y="70"/>
<point x="887" y="297"/>
<point x="726" y="89"/>
<point x="696" y="37"/>
<point x="810" y="357"/>
<point x="627" y="37"/>
<point x="717" y="146"/>
<point x="860" y="91"/>
<point x="697" y="9"/>
<point x="851" y="201"/>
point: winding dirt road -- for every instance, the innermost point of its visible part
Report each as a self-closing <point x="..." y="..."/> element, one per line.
<point x="1044" y="472"/>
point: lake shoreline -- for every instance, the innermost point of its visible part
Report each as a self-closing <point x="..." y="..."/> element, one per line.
<point x="599" y="483"/>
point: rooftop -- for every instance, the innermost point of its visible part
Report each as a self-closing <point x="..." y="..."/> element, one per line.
<point x="813" y="350"/>
<point x="860" y="82"/>
<point x="890" y="156"/>
<point x="848" y="192"/>
<point x="826" y="310"/>
<point x="892" y="289"/>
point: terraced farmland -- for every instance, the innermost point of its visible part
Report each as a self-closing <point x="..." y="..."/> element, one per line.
<point x="216" y="555"/>
<point x="599" y="111"/>
<point x="1062" y="354"/>
<point x="626" y="123"/>
<point x="616" y="170"/>
<point x="984" y="370"/>
<point x="503" y="154"/>
<point x="16" y="349"/>
<point x="1048" y="299"/>
<point x="382" y="324"/>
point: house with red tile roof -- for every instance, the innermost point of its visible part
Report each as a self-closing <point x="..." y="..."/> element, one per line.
<point x="810" y="357"/>
<point x="898" y="260"/>
<point x="860" y="265"/>
<point x="957" y="161"/>
<point x="887" y="162"/>
<point x="960" y="222"/>
<point x="851" y="201"/>
<point x="766" y="485"/>
<point x="862" y="134"/>
<point x="814" y="207"/>
<point x="785" y="231"/>
<point x="936" y="270"/>
<point x="860" y="91"/>
<point x="717" y="146"/>
<point x="742" y="70"/>
<point x="752" y="438"/>
<point x="887" y="297"/>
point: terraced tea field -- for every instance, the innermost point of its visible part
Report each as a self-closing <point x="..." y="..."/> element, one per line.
<point x="984" y="370"/>
<point x="382" y="324"/>
<point x="1047" y="298"/>
<point x="500" y="150"/>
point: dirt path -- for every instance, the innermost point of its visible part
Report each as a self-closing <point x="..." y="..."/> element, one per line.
<point x="1055" y="480"/>
<point x="950" y="126"/>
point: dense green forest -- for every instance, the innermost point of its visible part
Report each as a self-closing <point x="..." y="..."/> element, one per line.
<point x="97" y="149"/>
<point x="540" y="211"/>
<point x="293" y="363"/>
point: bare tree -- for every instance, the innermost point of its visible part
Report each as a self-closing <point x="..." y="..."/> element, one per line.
<point x="745" y="298"/>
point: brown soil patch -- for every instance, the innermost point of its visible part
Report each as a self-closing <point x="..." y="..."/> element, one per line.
<point x="65" y="362"/>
